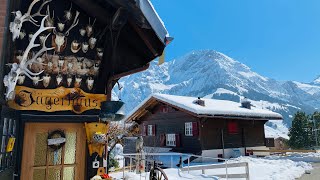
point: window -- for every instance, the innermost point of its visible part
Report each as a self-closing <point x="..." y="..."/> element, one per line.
<point x="150" y="130"/>
<point x="171" y="140"/>
<point x="7" y="129"/>
<point x="164" y="109"/>
<point x="191" y="129"/>
<point x="188" y="129"/>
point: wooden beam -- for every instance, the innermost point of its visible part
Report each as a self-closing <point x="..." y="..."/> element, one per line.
<point x="95" y="10"/>
<point x="143" y="37"/>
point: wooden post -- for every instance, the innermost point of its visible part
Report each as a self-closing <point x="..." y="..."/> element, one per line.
<point x="222" y="140"/>
<point x="247" y="170"/>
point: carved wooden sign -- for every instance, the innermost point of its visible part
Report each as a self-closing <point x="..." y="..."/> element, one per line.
<point x="51" y="100"/>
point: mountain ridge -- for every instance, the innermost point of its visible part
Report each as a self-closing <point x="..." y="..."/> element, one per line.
<point x="208" y="73"/>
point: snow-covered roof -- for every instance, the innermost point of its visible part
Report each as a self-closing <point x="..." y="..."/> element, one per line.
<point x="212" y="108"/>
<point x="153" y="18"/>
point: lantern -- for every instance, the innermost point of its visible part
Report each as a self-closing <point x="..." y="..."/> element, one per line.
<point x="112" y="111"/>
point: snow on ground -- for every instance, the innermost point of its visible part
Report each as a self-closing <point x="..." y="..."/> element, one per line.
<point x="306" y="157"/>
<point x="259" y="169"/>
<point x="275" y="129"/>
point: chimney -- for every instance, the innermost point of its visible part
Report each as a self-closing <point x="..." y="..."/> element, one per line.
<point x="199" y="101"/>
<point x="245" y="103"/>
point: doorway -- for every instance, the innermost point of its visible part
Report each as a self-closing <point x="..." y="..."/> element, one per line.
<point x="40" y="162"/>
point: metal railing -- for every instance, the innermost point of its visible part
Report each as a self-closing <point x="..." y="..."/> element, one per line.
<point x="132" y="157"/>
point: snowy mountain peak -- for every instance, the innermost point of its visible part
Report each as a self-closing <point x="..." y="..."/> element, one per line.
<point x="316" y="80"/>
<point x="211" y="74"/>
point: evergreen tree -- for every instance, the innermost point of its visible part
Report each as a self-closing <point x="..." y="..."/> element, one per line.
<point x="315" y="125"/>
<point x="300" y="132"/>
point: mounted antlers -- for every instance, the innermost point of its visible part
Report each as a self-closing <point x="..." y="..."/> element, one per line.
<point x="19" y="19"/>
<point x="59" y="39"/>
<point x="10" y="80"/>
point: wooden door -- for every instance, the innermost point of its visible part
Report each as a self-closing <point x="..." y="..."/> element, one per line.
<point x="39" y="162"/>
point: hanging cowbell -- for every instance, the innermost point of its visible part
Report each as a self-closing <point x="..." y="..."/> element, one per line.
<point x="112" y="111"/>
<point x="99" y="138"/>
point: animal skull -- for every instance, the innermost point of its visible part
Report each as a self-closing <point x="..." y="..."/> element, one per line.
<point x="69" y="80"/>
<point x="89" y="83"/>
<point x="100" y="53"/>
<point x="75" y="46"/>
<point x="59" y="79"/>
<point x="42" y="38"/>
<point x="35" y="80"/>
<point x="78" y="81"/>
<point x="82" y="31"/>
<point x="22" y="35"/>
<point x="30" y="36"/>
<point x="70" y="65"/>
<point x="19" y="19"/>
<point x="89" y="28"/>
<point x="21" y="79"/>
<point x="59" y="41"/>
<point x="85" y="47"/>
<point x="61" y="62"/>
<point x="61" y="26"/>
<point x="92" y="42"/>
<point x="96" y="68"/>
<point x="50" y="65"/>
<point x="68" y="14"/>
<point x="46" y="80"/>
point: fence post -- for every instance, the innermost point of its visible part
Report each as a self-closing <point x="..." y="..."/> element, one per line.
<point x="130" y="163"/>
<point x="247" y="170"/>
<point x="124" y="164"/>
<point x="226" y="169"/>
<point x="203" y="171"/>
<point x="188" y="164"/>
<point x="171" y="162"/>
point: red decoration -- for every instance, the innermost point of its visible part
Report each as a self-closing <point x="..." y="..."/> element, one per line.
<point x="233" y="127"/>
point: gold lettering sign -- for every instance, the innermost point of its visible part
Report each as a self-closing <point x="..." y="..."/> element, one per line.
<point x="51" y="100"/>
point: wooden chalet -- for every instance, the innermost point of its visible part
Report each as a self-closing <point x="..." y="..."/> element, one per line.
<point x="48" y="94"/>
<point x="205" y="127"/>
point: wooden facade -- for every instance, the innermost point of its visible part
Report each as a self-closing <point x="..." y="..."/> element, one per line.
<point x="158" y="118"/>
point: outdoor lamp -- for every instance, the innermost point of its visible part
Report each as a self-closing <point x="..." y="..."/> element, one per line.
<point x="112" y="111"/>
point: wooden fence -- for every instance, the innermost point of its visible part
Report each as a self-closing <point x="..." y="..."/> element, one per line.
<point x="226" y="166"/>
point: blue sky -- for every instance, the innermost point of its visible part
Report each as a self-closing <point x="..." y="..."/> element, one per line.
<point x="276" y="38"/>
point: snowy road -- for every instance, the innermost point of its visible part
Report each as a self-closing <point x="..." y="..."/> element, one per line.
<point x="315" y="173"/>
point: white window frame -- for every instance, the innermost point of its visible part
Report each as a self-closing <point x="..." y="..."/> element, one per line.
<point x="188" y="129"/>
<point x="150" y="130"/>
<point x="171" y="140"/>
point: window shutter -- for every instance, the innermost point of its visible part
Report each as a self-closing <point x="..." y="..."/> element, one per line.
<point x="162" y="140"/>
<point x="233" y="127"/>
<point x="153" y="130"/>
<point x="145" y="130"/>
<point x="178" y="143"/>
<point x="195" y="129"/>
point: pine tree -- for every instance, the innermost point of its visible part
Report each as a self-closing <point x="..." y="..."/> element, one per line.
<point x="316" y="125"/>
<point x="300" y="132"/>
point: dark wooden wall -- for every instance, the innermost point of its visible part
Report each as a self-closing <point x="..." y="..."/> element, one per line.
<point x="251" y="133"/>
<point x="171" y="122"/>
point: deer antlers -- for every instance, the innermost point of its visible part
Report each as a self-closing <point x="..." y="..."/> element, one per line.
<point x="19" y="19"/>
<point x="74" y="23"/>
<point x="10" y="80"/>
